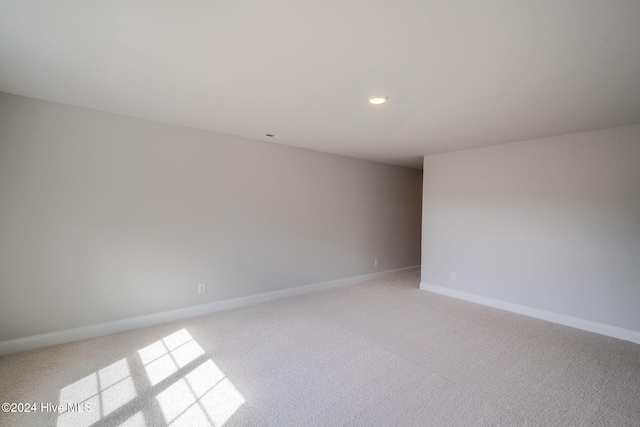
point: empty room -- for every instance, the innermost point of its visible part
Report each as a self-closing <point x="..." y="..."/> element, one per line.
<point x="319" y="213"/>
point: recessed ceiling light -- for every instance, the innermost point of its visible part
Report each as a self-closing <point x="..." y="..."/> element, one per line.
<point x="378" y="99"/>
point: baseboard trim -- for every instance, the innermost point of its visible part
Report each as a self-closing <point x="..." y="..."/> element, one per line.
<point x="92" y="331"/>
<point x="574" y="322"/>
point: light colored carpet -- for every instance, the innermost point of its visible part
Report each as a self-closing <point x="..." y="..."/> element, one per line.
<point x="374" y="354"/>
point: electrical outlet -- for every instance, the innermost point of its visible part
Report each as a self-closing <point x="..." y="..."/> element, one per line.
<point x="202" y="288"/>
<point x="452" y="276"/>
<point x="375" y="262"/>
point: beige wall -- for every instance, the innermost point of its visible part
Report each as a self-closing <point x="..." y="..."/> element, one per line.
<point x="552" y="224"/>
<point x="104" y="217"/>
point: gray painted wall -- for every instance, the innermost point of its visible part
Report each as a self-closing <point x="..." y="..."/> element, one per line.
<point x="104" y="217"/>
<point x="552" y="224"/>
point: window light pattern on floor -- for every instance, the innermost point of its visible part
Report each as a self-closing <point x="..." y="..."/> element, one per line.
<point x="97" y="395"/>
<point x="204" y="396"/>
<point x="189" y="388"/>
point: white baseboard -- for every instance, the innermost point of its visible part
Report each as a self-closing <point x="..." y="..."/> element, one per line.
<point x="76" y="334"/>
<point x="575" y="322"/>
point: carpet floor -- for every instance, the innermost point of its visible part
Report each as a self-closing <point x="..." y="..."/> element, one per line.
<point x="378" y="353"/>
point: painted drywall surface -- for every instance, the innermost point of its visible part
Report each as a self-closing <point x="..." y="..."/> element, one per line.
<point x="552" y="224"/>
<point x="105" y="217"/>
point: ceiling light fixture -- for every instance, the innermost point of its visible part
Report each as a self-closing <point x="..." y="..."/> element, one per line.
<point x="378" y="99"/>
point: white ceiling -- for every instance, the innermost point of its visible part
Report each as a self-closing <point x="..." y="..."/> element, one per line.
<point x="458" y="73"/>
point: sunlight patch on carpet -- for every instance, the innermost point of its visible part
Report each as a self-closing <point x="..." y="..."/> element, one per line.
<point x="165" y="357"/>
<point x="91" y="398"/>
<point x="204" y="396"/>
<point x="189" y="390"/>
